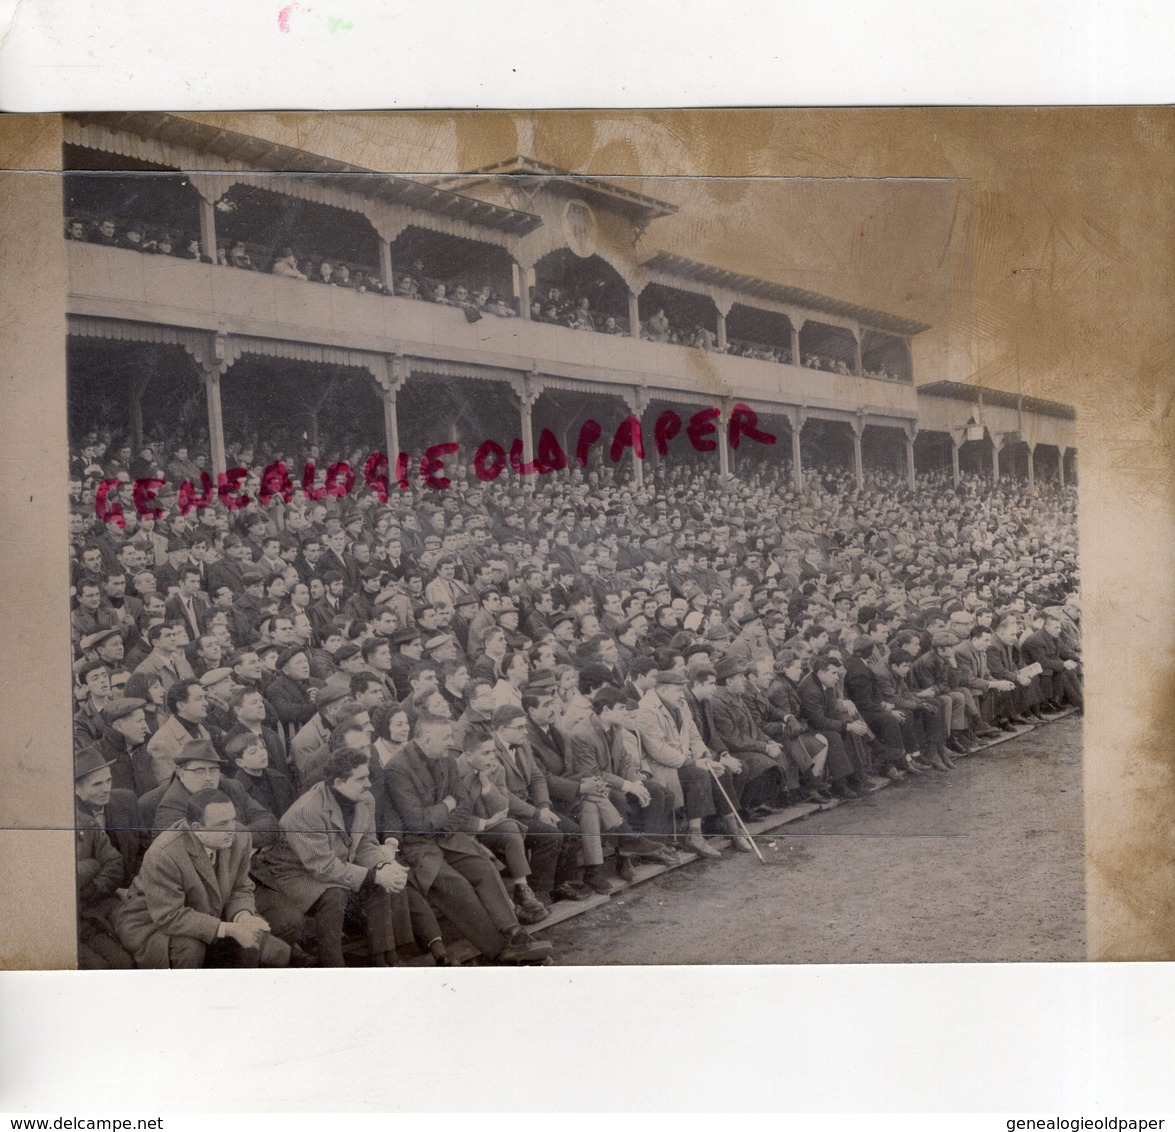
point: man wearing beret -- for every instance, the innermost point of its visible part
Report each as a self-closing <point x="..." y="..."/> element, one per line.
<point x="192" y="904"/>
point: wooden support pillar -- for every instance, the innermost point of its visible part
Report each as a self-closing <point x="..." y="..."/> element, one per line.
<point x="721" y="331"/>
<point x="211" y="376"/>
<point x="1060" y="466"/>
<point x="797" y="470"/>
<point x="995" y="461"/>
<point x="858" y="427"/>
<point x="1031" y="448"/>
<point x="910" y="458"/>
<point x="521" y="278"/>
<point x="391" y="426"/>
<point x="723" y="444"/>
<point x="208" y="228"/>
<point x="527" y="426"/>
<point x="385" y="264"/>
<point x="634" y="315"/>
<point x="795" y="342"/>
<point x="955" y="446"/>
<point x="858" y="364"/>
<point x="312" y="418"/>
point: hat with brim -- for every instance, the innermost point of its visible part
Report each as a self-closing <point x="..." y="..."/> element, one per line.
<point x="88" y="760"/>
<point x="197" y="750"/>
<point x="729" y="666"/>
<point x="93" y="640"/>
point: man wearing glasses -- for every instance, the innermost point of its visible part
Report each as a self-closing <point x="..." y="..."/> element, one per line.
<point x="198" y="767"/>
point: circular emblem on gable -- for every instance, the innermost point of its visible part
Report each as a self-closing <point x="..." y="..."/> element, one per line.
<point x="579" y="228"/>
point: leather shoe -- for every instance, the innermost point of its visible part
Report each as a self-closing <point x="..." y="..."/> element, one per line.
<point x="697" y="844"/>
<point x="526" y="899"/>
<point x="741" y="844"/>
<point x="530" y="951"/>
<point x="570" y="891"/>
<point x="638" y="847"/>
<point x="594" y="881"/>
<point x="624" y="870"/>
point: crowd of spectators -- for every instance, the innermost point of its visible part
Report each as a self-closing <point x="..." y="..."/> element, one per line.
<point x="346" y="728"/>
<point x="548" y="303"/>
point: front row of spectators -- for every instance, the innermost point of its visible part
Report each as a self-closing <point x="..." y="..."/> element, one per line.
<point x="350" y="731"/>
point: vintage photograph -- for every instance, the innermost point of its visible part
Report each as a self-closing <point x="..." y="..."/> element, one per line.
<point x="505" y="565"/>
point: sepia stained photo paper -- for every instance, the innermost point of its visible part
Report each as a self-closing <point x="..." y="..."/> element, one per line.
<point x="570" y="539"/>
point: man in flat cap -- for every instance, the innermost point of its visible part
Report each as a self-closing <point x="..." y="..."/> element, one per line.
<point x="309" y="746"/>
<point x="674" y="755"/>
<point x="123" y="745"/>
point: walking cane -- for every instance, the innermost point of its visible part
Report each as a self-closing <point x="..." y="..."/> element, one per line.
<point x="746" y="832"/>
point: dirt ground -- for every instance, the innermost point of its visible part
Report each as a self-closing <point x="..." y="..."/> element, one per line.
<point x="982" y="864"/>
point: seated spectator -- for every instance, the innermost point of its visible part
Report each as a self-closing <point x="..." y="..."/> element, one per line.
<point x="580" y="317"/>
<point x="192" y="250"/>
<point x="287" y="264"/>
<point x="105" y="233"/>
<point x="484" y="780"/>
<point x="76" y="230"/>
<point x="599" y="750"/>
<point x="657" y="327"/>
<point x="101" y="867"/>
<point x="238" y="256"/>
<point x="267" y="786"/>
<point x="200" y="767"/>
<point x="328" y="864"/>
<point x="187" y="706"/>
<point x="429" y="800"/>
<point x="192" y="904"/>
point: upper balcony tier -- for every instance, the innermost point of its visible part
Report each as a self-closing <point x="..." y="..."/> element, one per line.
<point x="114" y="283"/>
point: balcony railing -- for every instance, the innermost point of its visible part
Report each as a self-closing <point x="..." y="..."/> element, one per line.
<point x="120" y="284"/>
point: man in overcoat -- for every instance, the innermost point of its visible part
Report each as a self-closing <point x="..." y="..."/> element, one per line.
<point x="328" y="864"/>
<point x="192" y="904"/>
